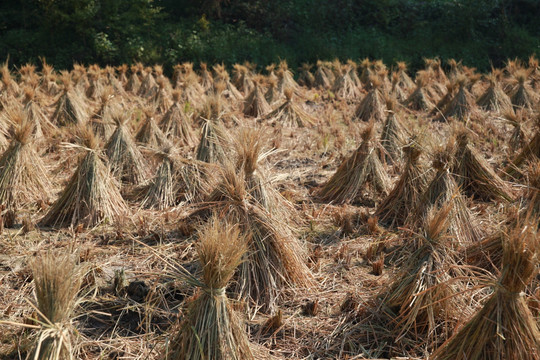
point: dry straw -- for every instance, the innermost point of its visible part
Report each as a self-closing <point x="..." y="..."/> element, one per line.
<point x="393" y="134"/>
<point x="522" y="97"/>
<point x="150" y="134"/>
<point x="306" y="77"/>
<point x="125" y="160"/>
<point x="474" y="174"/>
<point x="213" y="136"/>
<point x="24" y="179"/>
<point x="321" y="77"/>
<point x="372" y="106"/>
<point x="361" y="168"/>
<point x="462" y="106"/>
<point x="275" y="259"/>
<point x="419" y="100"/>
<point x="344" y="86"/>
<point x="57" y="280"/>
<point x="530" y="152"/>
<point x="211" y="328"/>
<point x="70" y="107"/>
<point x="290" y="114"/>
<point x="92" y="194"/>
<point x="255" y="104"/>
<point x="405" y="197"/>
<point x="504" y="328"/>
<point x="422" y="300"/>
<point x="442" y="189"/>
<point x="176" y="124"/>
<point x="494" y="98"/>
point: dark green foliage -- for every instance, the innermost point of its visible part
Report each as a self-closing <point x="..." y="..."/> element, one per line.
<point x="230" y="31"/>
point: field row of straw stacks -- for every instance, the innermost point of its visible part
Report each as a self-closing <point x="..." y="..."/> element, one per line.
<point x="350" y="211"/>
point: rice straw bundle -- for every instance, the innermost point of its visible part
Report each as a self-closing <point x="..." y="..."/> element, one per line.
<point x="242" y="78"/>
<point x="419" y="100"/>
<point x="211" y="328"/>
<point x="35" y="115"/>
<point x="517" y="138"/>
<point x="533" y="189"/>
<point x="122" y="74"/>
<point x="272" y="94"/>
<point x="367" y="72"/>
<point x="393" y="134"/>
<point x="230" y="91"/>
<point x="404" y="80"/>
<point x="255" y="105"/>
<point x="148" y="87"/>
<point x="456" y="69"/>
<point x="57" y="280"/>
<point x="8" y="84"/>
<point x="150" y="134"/>
<point x="96" y="84"/>
<point x="462" y="105"/>
<point x="306" y="78"/>
<point x="213" y="136"/>
<point x="161" y="101"/>
<point x="175" y="124"/>
<point x="372" y="106"/>
<point x="290" y="114"/>
<point x="192" y="91"/>
<point x="207" y="82"/>
<point x="344" y="86"/>
<point x="23" y="177"/>
<point x="504" y="328"/>
<point x="134" y="83"/>
<point x="522" y="97"/>
<point x="249" y="145"/>
<point x="421" y="300"/>
<point x="92" y="194"/>
<point x="397" y="91"/>
<point x="494" y="98"/>
<point x="175" y="180"/>
<point x="361" y="168"/>
<point x="406" y="194"/>
<point x="48" y="79"/>
<point x="474" y="175"/>
<point x="321" y="79"/>
<point x="102" y="122"/>
<point x="443" y="189"/>
<point x="286" y="79"/>
<point x="275" y="259"/>
<point x="530" y="152"/>
<point x="125" y="160"/>
<point x="160" y="192"/>
<point x="70" y="108"/>
<point x="435" y="66"/>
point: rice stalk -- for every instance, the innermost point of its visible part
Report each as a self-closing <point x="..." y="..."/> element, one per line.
<point x="92" y="194"/>
<point x="125" y="160"/>
<point x="421" y="300"/>
<point x="372" y="106"/>
<point x="211" y="328"/>
<point x="362" y="168"/>
<point x="24" y="180"/>
<point x="504" y="328"/>
<point x="57" y="280"/>
<point x="475" y="176"/>
<point x="405" y="196"/>
<point x="290" y="114"/>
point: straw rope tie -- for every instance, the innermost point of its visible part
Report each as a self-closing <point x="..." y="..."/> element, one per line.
<point x="504" y="291"/>
<point x="214" y="292"/>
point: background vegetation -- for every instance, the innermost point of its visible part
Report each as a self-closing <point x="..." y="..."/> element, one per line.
<point x="479" y="32"/>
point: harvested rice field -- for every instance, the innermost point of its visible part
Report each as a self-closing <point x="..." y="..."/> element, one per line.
<point x="343" y="211"/>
